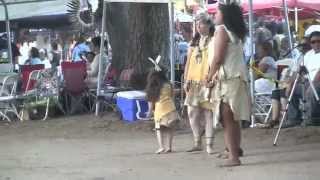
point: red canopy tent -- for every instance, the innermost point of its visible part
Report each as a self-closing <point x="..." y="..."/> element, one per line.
<point x="308" y="7"/>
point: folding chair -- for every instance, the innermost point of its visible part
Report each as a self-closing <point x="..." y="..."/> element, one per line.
<point x="263" y="104"/>
<point x="8" y="97"/>
<point x="74" y="74"/>
<point x="25" y="71"/>
<point x="32" y="96"/>
<point x="263" y="101"/>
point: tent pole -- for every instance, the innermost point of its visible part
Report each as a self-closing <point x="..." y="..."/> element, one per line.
<point x="296" y="18"/>
<point x="285" y="5"/>
<point x="100" y="57"/>
<point x="252" y="50"/>
<point x="171" y="29"/>
<point x="8" y="31"/>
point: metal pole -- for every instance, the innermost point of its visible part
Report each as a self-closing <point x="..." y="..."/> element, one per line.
<point x="252" y="51"/>
<point x="100" y="57"/>
<point x="285" y="5"/>
<point x="296" y="18"/>
<point x="8" y="31"/>
<point x="171" y="29"/>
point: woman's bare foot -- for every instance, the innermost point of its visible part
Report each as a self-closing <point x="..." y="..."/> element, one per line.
<point x="225" y="154"/>
<point x="168" y="151"/>
<point x="160" y="151"/>
<point x="231" y="163"/>
<point x="195" y="148"/>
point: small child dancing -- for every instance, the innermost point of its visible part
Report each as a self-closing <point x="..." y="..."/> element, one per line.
<point x="160" y="96"/>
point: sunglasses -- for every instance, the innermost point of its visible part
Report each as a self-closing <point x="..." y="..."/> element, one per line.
<point x="315" y="41"/>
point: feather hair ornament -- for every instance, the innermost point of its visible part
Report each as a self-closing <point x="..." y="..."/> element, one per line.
<point x="156" y="63"/>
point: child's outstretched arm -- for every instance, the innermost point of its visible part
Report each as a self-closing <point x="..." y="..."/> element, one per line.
<point x="150" y="109"/>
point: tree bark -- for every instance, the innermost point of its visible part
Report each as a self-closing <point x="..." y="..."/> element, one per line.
<point x="138" y="31"/>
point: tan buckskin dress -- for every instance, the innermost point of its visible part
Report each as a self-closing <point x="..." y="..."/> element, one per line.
<point x="232" y="85"/>
<point x="196" y="74"/>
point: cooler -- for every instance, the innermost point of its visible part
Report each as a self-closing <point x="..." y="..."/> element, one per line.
<point x="127" y="103"/>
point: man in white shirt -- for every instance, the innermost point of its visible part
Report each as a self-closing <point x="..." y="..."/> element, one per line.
<point x="312" y="65"/>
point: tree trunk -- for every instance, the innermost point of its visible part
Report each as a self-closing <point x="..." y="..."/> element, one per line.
<point x="138" y="31"/>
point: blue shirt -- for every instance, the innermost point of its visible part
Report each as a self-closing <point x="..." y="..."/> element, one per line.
<point x="34" y="61"/>
<point x="78" y="50"/>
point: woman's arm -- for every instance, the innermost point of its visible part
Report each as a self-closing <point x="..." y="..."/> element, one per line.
<point x="186" y="68"/>
<point x="220" y="45"/>
<point x="94" y="67"/>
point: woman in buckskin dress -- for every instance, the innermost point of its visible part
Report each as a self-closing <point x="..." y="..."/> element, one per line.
<point x="228" y="78"/>
<point x="197" y="67"/>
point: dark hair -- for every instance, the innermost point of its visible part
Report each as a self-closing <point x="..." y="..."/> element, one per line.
<point x="233" y="19"/>
<point x="54" y="45"/>
<point x="195" y="39"/>
<point x="155" y="81"/>
<point x="96" y="41"/>
<point x="267" y="47"/>
<point x="34" y="52"/>
<point x="315" y="33"/>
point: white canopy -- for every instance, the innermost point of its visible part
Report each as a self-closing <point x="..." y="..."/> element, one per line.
<point x="182" y="17"/>
<point x="29" y="8"/>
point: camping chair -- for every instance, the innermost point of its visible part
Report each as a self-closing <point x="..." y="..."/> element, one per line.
<point x="262" y="109"/>
<point x="8" y="97"/>
<point x="263" y="101"/>
<point x="34" y="94"/>
<point x="75" y="88"/>
<point x="108" y="92"/>
<point x="25" y="71"/>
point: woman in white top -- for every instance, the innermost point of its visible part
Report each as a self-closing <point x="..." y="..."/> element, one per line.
<point x="228" y="78"/>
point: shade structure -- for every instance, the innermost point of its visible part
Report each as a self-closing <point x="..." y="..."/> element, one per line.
<point x="313" y="5"/>
<point x="28" y="8"/>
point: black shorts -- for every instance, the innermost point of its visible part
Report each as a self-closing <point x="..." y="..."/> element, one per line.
<point x="277" y="94"/>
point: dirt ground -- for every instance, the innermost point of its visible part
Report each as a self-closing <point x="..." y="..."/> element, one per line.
<point x="89" y="148"/>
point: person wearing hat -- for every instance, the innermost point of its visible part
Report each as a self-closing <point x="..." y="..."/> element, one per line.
<point x="311" y="62"/>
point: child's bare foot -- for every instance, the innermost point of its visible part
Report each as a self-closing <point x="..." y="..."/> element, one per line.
<point x="160" y="151"/>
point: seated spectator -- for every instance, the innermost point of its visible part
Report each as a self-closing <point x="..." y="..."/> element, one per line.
<point x="312" y="65"/>
<point x="55" y="55"/>
<point x="34" y="57"/>
<point x="93" y="69"/>
<point x="266" y="65"/>
<point x="285" y="51"/>
<point x="44" y="58"/>
<point x="80" y="49"/>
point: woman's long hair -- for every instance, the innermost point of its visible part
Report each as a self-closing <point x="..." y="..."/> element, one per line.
<point x="233" y="19"/>
<point x="155" y="81"/>
<point x="195" y="40"/>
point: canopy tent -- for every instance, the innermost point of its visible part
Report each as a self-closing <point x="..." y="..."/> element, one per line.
<point x="39" y="22"/>
<point x="18" y="9"/>
<point x="269" y="4"/>
<point x="182" y="17"/>
<point x="14" y="9"/>
<point x="171" y="21"/>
